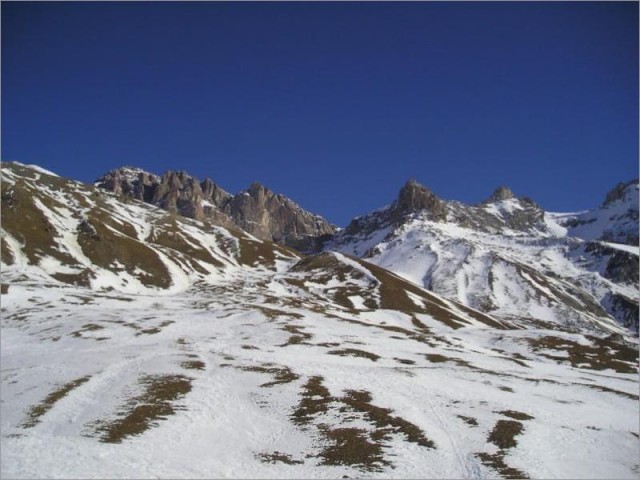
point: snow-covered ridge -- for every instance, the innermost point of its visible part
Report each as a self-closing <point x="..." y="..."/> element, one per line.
<point x="508" y="257"/>
<point x="616" y="220"/>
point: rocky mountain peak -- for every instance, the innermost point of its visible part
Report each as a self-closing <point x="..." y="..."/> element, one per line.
<point x="414" y="197"/>
<point x="620" y="191"/>
<point x="501" y="193"/>
<point x="256" y="186"/>
<point x="213" y="193"/>
<point x="257" y="191"/>
<point x="126" y="180"/>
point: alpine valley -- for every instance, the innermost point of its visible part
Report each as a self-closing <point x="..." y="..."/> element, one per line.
<point x="157" y="326"/>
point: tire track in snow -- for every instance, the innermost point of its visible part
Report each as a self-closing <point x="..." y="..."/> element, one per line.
<point x="465" y="462"/>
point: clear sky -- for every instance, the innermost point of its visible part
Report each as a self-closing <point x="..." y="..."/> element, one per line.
<point x="335" y="105"/>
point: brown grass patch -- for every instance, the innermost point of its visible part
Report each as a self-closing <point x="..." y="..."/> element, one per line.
<point x="262" y="252"/>
<point x="438" y="358"/>
<point x="144" y="411"/>
<point x="361" y="401"/>
<point x="106" y="247"/>
<point x="516" y="415"/>
<point x="504" y="433"/>
<point x="278" y="457"/>
<point x="29" y="225"/>
<point x="298" y="336"/>
<point x="351" y="446"/>
<point x="39" y="410"/>
<point x="193" y="365"/>
<point x="496" y="461"/>
<point x="469" y="420"/>
<point x="89" y="327"/>
<point x="404" y="361"/>
<point x="503" y="436"/>
<point x="168" y="234"/>
<point x="602" y="354"/>
<point x="602" y="388"/>
<point x="148" y="331"/>
<point x="315" y="400"/>
<point x="281" y="375"/>
<point x="354" y="352"/>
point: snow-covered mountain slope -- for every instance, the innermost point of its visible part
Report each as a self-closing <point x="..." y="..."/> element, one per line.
<point x="616" y="220"/>
<point x="164" y="347"/>
<point x="505" y="256"/>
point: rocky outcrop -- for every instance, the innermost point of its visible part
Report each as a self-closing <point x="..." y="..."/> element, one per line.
<point x="499" y="194"/>
<point x="272" y="216"/>
<point x="414" y="197"/>
<point x="176" y="192"/>
<point x="257" y="210"/>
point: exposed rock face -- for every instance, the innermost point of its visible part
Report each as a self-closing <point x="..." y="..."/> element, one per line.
<point x="128" y="181"/>
<point x="619" y="192"/>
<point x="620" y="266"/>
<point x="414" y="197"/>
<point x="176" y="192"/>
<point x="272" y="216"/>
<point x="258" y="210"/>
<point x="500" y="193"/>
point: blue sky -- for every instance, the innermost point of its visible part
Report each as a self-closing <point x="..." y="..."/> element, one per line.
<point x="335" y="105"/>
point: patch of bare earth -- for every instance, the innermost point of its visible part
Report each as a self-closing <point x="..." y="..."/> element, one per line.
<point x="37" y="411"/>
<point x="278" y="457"/>
<point x="354" y="352"/>
<point x="193" y="365"/>
<point x="281" y="375"/>
<point x="298" y="336"/>
<point x="602" y="354"/>
<point x="504" y="435"/>
<point x="155" y="403"/>
<point x="346" y="445"/>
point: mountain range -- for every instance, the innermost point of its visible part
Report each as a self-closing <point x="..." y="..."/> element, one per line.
<point x="158" y="326"/>
<point x="505" y="256"/>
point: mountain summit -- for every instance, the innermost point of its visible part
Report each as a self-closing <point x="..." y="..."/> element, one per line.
<point x="414" y="197"/>
<point x="499" y="194"/>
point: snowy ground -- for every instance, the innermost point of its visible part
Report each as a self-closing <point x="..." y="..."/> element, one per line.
<point x="251" y="372"/>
